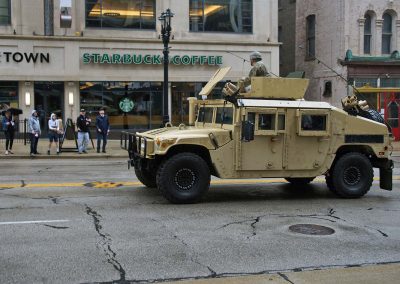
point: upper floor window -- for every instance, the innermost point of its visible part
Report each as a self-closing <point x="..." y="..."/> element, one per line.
<point x="387" y="33"/>
<point x="126" y="14"/>
<point x="310" y="36"/>
<point x="5" y="12"/>
<point x="221" y="16"/>
<point x="367" y="34"/>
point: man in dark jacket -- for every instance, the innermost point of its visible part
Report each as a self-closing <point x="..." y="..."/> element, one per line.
<point x="9" y="128"/>
<point x="103" y="128"/>
<point x="82" y="123"/>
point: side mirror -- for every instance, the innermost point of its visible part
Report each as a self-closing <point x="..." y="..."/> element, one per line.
<point x="247" y="131"/>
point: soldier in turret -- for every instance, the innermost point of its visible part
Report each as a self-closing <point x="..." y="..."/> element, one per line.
<point x="258" y="70"/>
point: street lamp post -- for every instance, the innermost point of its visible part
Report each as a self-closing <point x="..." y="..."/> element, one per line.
<point x="165" y="20"/>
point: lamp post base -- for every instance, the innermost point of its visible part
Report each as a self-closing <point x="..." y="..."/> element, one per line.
<point x="165" y="120"/>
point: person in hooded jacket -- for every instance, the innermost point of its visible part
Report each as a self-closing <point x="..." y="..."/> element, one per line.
<point x="9" y="129"/>
<point x="34" y="132"/>
<point x="54" y="129"/>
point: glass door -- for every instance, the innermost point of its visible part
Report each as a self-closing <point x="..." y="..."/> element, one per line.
<point x="392" y="105"/>
<point x="49" y="98"/>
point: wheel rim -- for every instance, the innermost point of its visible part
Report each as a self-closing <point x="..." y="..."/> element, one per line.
<point x="352" y="176"/>
<point x="185" y="179"/>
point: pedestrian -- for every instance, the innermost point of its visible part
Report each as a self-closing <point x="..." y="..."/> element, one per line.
<point x="54" y="129"/>
<point x="103" y="129"/>
<point x="34" y="132"/>
<point x="9" y="129"/>
<point x="61" y="129"/>
<point x="82" y="123"/>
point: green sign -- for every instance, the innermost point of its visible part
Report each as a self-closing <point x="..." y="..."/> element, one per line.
<point x="105" y="58"/>
<point x="126" y="105"/>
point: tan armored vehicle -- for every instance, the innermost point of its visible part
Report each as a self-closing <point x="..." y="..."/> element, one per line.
<point x="269" y="132"/>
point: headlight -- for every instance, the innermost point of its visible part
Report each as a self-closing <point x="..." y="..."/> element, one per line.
<point x="143" y="146"/>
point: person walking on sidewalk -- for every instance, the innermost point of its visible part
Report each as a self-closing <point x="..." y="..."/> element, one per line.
<point x="9" y="129"/>
<point x="54" y="129"/>
<point x="34" y="132"/>
<point x="83" y="122"/>
<point x="103" y="128"/>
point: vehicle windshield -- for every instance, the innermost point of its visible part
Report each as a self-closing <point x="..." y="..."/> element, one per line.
<point x="224" y="115"/>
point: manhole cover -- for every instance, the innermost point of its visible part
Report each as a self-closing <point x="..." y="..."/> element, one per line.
<point x="311" y="229"/>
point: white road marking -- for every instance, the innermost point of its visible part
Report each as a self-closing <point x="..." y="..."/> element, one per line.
<point x="33" y="222"/>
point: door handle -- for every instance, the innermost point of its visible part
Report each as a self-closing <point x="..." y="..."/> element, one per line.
<point x="323" y="139"/>
<point x="275" y="139"/>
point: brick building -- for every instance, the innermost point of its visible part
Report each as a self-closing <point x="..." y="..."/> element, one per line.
<point x="357" y="39"/>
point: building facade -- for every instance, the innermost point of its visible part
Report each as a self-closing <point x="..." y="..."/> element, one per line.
<point x="341" y="43"/>
<point x="326" y="30"/>
<point x="287" y="36"/>
<point x="111" y="56"/>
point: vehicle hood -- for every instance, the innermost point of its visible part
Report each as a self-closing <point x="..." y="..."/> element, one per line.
<point x="211" y="138"/>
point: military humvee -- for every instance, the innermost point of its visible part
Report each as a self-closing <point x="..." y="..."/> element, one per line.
<point x="269" y="132"/>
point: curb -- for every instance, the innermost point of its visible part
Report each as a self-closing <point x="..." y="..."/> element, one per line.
<point x="61" y="156"/>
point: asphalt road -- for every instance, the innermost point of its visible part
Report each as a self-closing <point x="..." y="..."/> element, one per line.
<point x="67" y="221"/>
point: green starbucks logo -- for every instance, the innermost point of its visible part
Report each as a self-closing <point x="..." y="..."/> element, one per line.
<point x="126" y="105"/>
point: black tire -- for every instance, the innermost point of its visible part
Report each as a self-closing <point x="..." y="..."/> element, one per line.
<point x="300" y="181"/>
<point x="329" y="183"/>
<point x="183" y="178"/>
<point x="147" y="178"/>
<point x="352" y="175"/>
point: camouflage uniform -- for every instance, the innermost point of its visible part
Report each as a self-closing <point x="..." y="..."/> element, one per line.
<point x="258" y="70"/>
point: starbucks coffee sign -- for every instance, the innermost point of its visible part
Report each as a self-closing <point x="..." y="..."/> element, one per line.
<point x="128" y="58"/>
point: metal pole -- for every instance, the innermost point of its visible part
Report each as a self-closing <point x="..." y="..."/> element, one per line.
<point x="165" y="19"/>
<point x="165" y="89"/>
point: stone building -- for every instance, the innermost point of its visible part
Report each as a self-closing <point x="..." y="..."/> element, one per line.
<point x="348" y="42"/>
<point x="287" y="36"/>
<point x="111" y="55"/>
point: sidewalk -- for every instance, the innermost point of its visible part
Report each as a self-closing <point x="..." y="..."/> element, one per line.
<point x="21" y="151"/>
<point x="114" y="150"/>
<point x="381" y="273"/>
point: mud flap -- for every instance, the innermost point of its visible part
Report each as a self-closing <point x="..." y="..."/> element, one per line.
<point x="386" y="177"/>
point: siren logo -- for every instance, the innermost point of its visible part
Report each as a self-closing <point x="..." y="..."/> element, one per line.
<point x="28" y="57"/>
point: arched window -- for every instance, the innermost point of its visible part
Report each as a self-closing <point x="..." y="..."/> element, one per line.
<point x="367" y="34"/>
<point x="387" y="30"/>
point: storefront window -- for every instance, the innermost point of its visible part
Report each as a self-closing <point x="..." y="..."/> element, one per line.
<point x="125" y="14"/>
<point x="5" y="12"/>
<point x="9" y="94"/>
<point x="129" y="105"/>
<point x="221" y="16"/>
<point x="180" y="106"/>
<point x="182" y="91"/>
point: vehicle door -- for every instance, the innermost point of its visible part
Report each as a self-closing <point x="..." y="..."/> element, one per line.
<point x="265" y="152"/>
<point x="309" y="139"/>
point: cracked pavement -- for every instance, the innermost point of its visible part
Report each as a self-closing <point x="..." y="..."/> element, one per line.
<point x="129" y="234"/>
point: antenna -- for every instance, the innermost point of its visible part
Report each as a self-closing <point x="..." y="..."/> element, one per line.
<point x="245" y="60"/>
<point x="343" y="78"/>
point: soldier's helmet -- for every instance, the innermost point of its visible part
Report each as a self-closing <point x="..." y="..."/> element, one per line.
<point x="255" y="55"/>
